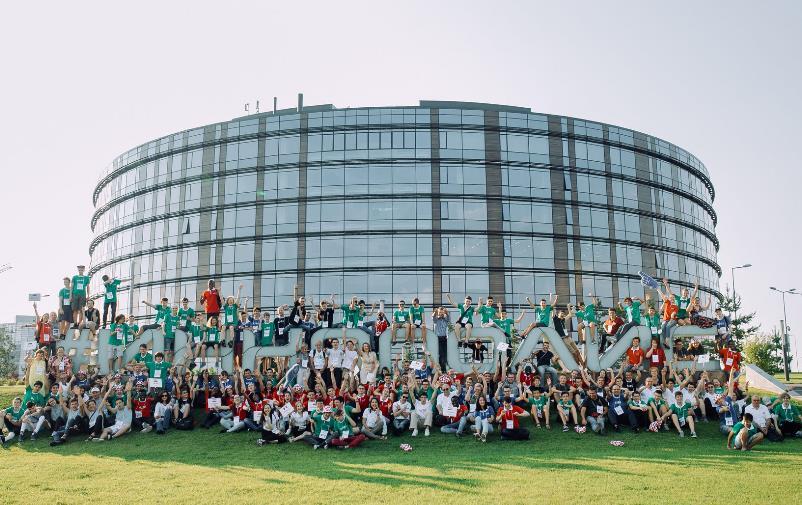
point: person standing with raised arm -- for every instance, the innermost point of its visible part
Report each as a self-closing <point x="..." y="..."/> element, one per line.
<point x="542" y="313"/>
<point x="465" y="318"/>
<point x="110" y="298"/>
<point x="80" y="290"/>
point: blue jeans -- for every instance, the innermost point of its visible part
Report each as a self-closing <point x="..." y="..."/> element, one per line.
<point x="542" y="370"/>
<point x="164" y="423"/>
<point x="483" y="426"/>
<point x="452" y="428"/>
<point x="596" y="423"/>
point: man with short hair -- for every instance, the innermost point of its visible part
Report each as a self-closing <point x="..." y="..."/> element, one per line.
<point x="594" y="411"/>
<point x="110" y="298"/>
<point x="545" y="358"/>
<point x="789" y="419"/>
<point x="80" y="290"/>
<point x="744" y="435"/>
<point x="761" y="417"/>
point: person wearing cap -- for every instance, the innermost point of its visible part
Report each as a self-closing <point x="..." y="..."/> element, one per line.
<point x="323" y="426"/>
<point x="345" y="431"/>
<point x="80" y="290"/>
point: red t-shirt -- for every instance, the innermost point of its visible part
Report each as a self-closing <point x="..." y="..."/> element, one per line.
<point x="211" y="301"/>
<point x="386" y="406"/>
<point x="509" y="415"/>
<point x="659" y="360"/>
<point x="143" y="406"/>
<point x="634" y="355"/>
<point x="732" y="359"/>
<point x="526" y="378"/>
<point x="460" y="412"/>
<point x="363" y="401"/>
<point x="45" y="331"/>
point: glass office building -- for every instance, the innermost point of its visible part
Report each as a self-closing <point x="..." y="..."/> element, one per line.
<point x="396" y="202"/>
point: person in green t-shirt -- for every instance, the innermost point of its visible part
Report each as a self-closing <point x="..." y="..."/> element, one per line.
<point x="158" y="368"/>
<point x="631" y="307"/>
<point x="212" y="339"/>
<point x="539" y="406"/>
<point x="323" y="426"/>
<point x="400" y="320"/>
<point x="343" y="428"/>
<point x="80" y="290"/>
<point x="788" y="418"/>
<point x="162" y="311"/>
<point x="110" y="298"/>
<point x="171" y="322"/>
<point x="65" y="307"/>
<point x="416" y="320"/>
<point x="486" y="312"/>
<point x="268" y="329"/>
<point x="34" y="394"/>
<point x="133" y="330"/>
<point x="566" y="410"/>
<point x="117" y="340"/>
<point x="744" y="435"/>
<point x="186" y="316"/>
<point x="657" y="407"/>
<point x="231" y="317"/>
<point x="143" y="356"/>
<point x="465" y="317"/>
<point x="11" y="421"/>
<point x="543" y="313"/>
<point x="507" y="324"/>
<point x="653" y="322"/>
<point x="681" y="413"/>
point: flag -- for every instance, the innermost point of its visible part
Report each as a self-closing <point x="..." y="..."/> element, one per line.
<point x="648" y="281"/>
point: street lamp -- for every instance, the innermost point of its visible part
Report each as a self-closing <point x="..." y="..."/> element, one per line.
<point x="791" y="291"/>
<point x="732" y="276"/>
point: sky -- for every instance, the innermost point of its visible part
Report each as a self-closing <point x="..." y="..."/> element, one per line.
<point x="84" y="82"/>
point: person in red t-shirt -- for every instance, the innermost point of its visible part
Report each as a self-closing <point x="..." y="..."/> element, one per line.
<point x="211" y="300"/>
<point x="508" y="419"/>
<point x="44" y="332"/>
<point x="611" y="326"/>
<point x="731" y="358"/>
<point x="453" y="424"/>
<point x="142" y="405"/>
<point x="634" y="357"/>
<point x="656" y="356"/>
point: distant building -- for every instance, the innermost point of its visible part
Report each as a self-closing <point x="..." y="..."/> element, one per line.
<point x="22" y="332"/>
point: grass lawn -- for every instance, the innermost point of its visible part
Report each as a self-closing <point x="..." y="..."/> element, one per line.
<point x="184" y="466"/>
<point x="796" y="377"/>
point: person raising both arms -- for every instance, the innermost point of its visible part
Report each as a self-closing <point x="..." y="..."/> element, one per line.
<point x="683" y="302"/>
<point x="465" y="318"/>
<point x="80" y="290"/>
<point x="542" y="313"/>
<point x="110" y="298"/>
<point x="231" y="314"/>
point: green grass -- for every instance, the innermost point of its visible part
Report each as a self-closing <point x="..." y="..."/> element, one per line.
<point x="565" y="467"/>
<point x="796" y="377"/>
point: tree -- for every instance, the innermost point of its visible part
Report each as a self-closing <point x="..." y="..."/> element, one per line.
<point x="7" y="363"/>
<point x="742" y="327"/>
<point x="765" y="351"/>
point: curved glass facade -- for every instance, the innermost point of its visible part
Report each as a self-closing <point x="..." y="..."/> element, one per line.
<point x="392" y="203"/>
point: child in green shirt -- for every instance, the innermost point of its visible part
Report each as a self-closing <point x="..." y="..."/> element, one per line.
<point x="681" y="412"/>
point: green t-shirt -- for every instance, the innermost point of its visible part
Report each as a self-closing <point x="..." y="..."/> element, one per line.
<point x="268" y="328"/>
<point x="322" y="424"/>
<point x="487" y="313"/>
<point x="401" y="316"/>
<point x="590" y="313"/>
<point x="416" y="314"/>
<point x="350" y="315"/>
<point x="230" y="314"/>
<point x="158" y="370"/>
<point x="653" y="322"/>
<point x="681" y="411"/>
<point x="16" y="414"/>
<point x="196" y="331"/>
<point x="187" y="314"/>
<point x="111" y="290"/>
<point x="633" y="312"/>
<point x="682" y="306"/>
<point x="131" y="334"/>
<point x="786" y="414"/>
<point x="657" y="403"/>
<point x="465" y="314"/>
<point x="118" y="334"/>
<point x="30" y="396"/>
<point x="147" y="358"/>
<point x="505" y="325"/>
<point x="79" y="284"/>
<point x="342" y="427"/>
<point x="213" y="335"/>
<point x="565" y="406"/>
<point x="740" y="425"/>
<point x="64" y="294"/>
<point x="543" y="316"/>
<point x="639" y="404"/>
<point x="161" y="313"/>
<point x="170" y="323"/>
<point x="538" y="402"/>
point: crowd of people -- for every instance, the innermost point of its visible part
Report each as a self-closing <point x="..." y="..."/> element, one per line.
<point x="335" y="393"/>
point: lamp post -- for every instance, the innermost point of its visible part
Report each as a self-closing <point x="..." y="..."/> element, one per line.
<point x="732" y="276"/>
<point x="791" y="291"/>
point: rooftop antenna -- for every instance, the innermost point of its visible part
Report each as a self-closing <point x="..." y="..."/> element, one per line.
<point x="275" y="104"/>
<point x="300" y="102"/>
<point x="257" y="106"/>
<point x="246" y="107"/>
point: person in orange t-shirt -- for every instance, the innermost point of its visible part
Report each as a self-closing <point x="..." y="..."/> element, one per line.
<point x="211" y="300"/>
<point x="670" y="311"/>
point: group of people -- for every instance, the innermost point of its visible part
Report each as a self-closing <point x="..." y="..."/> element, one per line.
<point x="336" y="394"/>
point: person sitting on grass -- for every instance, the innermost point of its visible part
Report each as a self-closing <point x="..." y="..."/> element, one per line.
<point x="123" y="417"/>
<point x="681" y="413"/>
<point x="744" y="435"/>
<point x="507" y="417"/>
<point x="594" y="411"/>
<point x="566" y="409"/>
<point x="789" y="419"/>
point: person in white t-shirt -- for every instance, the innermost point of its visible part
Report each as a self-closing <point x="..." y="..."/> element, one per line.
<point x="761" y="417"/>
<point x="402" y="412"/>
<point x="336" y="356"/>
<point x="421" y="415"/>
<point x="373" y="422"/>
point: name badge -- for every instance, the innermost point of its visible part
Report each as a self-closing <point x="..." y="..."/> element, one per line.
<point x="137" y="414"/>
<point x="599" y="409"/>
<point x="510" y="424"/>
<point x="297" y="318"/>
<point x="157" y="373"/>
<point x="463" y="320"/>
<point x="323" y="434"/>
<point x="257" y="415"/>
<point x="109" y="296"/>
<point x="655" y="358"/>
<point x="417" y="322"/>
<point x="472" y="407"/>
<point x="619" y="410"/>
<point x="728" y="421"/>
<point x="345" y="434"/>
<point x="66" y="302"/>
<point x="305" y="363"/>
<point x="236" y="419"/>
<point x="325" y="324"/>
<point x="349" y="324"/>
<point x="402" y="318"/>
<point x="728" y="362"/>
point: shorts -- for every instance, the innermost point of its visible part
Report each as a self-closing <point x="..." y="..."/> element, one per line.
<point x="117" y="426"/>
<point x="169" y="343"/>
<point x="738" y="443"/>
<point x="117" y="351"/>
<point x="417" y="325"/>
<point x="211" y="344"/>
<point x="463" y="325"/>
<point x="88" y="325"/>
<point x="66" y="314"/>
<point x="78" y="302"/>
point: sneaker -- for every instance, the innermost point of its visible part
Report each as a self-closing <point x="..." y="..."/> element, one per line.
<point x="146" y="428"/>
<point x="9" y="437"/>
<point x="483" y="438"/>
<point x="33" y="436"/>
<point x="458" y="434"/>
<point x="21" y="438"/>
<point x="326" y="445"/>
<point x="160" y="432"/>
<point x="693" y="434"/>
<point x="261" y="442"/>
<point x="426" y="432"/>
<point x="55" y="443"/>
<point x="415" y="432"/>
<point x="565" y="428"/>
<point x="98" y="439"/>
<point x="316" y="446"/>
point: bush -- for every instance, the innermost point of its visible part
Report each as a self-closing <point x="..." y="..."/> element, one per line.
<point x="764" y="351"/>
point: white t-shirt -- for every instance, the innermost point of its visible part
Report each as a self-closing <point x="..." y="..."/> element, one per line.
<point x="348" y="358"/>
<point x="422" y="408"/>
<point x="444" y="400"/>
<point x="336" y="358"/>
<point x="371" y="417"/>
<point x="299" y="420"/>
<point x="318" y="358"/>
<point x="759" y="415"/>
<point x="404" y="408"/>
<point x="646" y="394"/>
